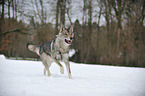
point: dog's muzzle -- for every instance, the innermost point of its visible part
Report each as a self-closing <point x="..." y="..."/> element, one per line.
<point x="68" y="41"/>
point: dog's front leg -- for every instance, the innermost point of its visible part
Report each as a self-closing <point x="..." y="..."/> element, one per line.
<point x="68" y="69"/>
<point x="61" y="67"/>
<point x="66" y="61"/>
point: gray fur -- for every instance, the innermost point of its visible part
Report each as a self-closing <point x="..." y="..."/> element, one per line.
<point x="55" y="50"/>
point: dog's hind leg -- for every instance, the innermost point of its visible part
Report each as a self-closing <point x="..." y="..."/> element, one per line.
<point x="46" y="68"/>
<point x="46" y="60"/>
<point x="48" y="73"/>
<point x="44" y="71"/>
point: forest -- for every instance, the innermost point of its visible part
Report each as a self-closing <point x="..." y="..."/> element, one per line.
<point x="110" y="32"/>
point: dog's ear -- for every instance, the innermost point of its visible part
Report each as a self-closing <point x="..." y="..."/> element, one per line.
<point x="62" y="28"/>
<point x="71" y="28"/>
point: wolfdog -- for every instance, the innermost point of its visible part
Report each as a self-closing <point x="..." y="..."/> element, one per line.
<point x="55" y="50"/>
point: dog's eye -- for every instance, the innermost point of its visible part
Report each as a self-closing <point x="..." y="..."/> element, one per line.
<point x="71" y="35"/>
<point x="65" y="34"/>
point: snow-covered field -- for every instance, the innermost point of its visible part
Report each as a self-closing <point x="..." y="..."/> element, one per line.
<point x="25" y="78"/>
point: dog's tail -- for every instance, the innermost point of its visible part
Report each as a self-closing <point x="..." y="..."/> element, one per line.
<point x="33" y="48"/>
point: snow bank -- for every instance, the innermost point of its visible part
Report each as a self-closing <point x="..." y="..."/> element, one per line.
<point x="2" y="57"/>
<point x="25" y="78"/>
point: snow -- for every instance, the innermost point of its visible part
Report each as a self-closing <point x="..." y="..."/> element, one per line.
<point x="2" y="57"/>
<point x="25" y="78"/>
<point x="71" y="52"/>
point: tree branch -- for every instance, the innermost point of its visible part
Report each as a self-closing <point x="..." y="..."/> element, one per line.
<point x="19" y="30"/>
<point x="69" y="16"/>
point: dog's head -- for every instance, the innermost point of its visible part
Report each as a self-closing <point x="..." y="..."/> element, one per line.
<point x="67" y="34"/>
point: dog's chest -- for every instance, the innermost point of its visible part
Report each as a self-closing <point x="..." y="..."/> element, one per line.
<point x="61" y="55"/>
<point x="58" y="55"/>
<point x="60" y="50"/>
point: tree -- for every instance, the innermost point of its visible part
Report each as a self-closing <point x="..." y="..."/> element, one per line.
<point x="118" y="6"/>
<point x="2" y="19"/>
<point x="60" y="12"/>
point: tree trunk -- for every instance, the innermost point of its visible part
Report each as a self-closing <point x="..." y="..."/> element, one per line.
<point x="68" y="11"/>
<point x="2" y="19"/>
<point x="2" y="15"/>
<point x="57" y="16"/>
<point x="9" y="4"/>
<point x="42" y="12"/>
<point x="89" y="52"/>
<point x="13" y="3"/>
<point x="63" y="10"/>
<point x="98" y="38"/>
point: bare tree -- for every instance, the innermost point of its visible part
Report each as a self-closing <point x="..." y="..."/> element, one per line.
<point x="2" y="18"/>
<point x="60" y="12"/>
<point x="68" y="7"/>
<point x="98" y="36"/>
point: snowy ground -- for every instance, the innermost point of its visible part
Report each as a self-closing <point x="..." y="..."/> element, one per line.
<point x="25" y="78"/>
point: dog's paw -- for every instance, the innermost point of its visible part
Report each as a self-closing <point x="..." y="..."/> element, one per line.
<point x="62" y="70"/>
<point x="49" y="74"/>
<point x="70" y="77"/>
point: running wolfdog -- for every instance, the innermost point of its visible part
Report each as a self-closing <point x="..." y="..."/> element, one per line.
<point x="55" y="50"/>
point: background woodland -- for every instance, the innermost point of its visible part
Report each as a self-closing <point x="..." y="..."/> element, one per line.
<point x="108" y="32"/>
